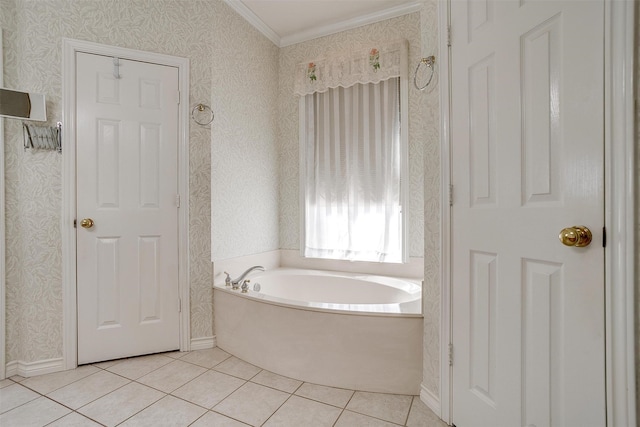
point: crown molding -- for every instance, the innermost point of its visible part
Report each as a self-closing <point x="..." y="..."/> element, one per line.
<point x="324" y="30"/>
<point x="254" y="20"/>
<point x="349" y="24"/>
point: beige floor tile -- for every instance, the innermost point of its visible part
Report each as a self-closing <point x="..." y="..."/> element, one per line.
<point x="213" y="419"/>
<point x="88" y="389"/>
<point x="169" y="411"/>
<point x="388" y="407"/>
<point x="352" y="419"/>
<point x="45" y="384"/>
<point x="74" y="420"/>
<point x="175" y="354"/>
<point x="136" y="367"/>
<point x="14" y="396"/>
<point x="421" y="416"/>
<point x="333" y="396"/>
<point x="17" y="378"/>
<point x="121" y="404"/>
<point x="238" y="368"/>
<point x="38" y="412"/>
<point x="206" y="358"/>
<point x="252" y="403"/>
<point x="6" y="383"/>
<point x="209" y="389"/>
<point x="171" y="376"/>
<point x="298" y="411"/>
<point x="106" y="364"/>
<point x="276" y="381"/>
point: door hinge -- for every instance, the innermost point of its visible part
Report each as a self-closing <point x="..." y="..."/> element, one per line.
<point x="450" y="194"/>
<point x="75" y="223"/>
<point x="179" y="305"/>
<point x="177" y="200"/>
<point x="449" y="36"/>
<point x="604" y="237"/>
<point x="450" y="354"/>
<point x="179" y="98"/>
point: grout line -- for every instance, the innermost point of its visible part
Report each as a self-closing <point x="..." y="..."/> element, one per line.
<point x="136" y="413"/>
<point x="69" y="408"/>
<point x="338" y="419"/>
<point x="228" y="416"/>
<point x="298" y="388"/>
<point x="274" y="412"/>
<point x="406" y="420"/>
<point x="199" y="418"/>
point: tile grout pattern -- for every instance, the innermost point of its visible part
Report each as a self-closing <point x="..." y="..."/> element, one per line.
<point x="198" y="388"/>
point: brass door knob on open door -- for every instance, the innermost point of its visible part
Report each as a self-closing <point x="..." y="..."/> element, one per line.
<point x="578" y="236"/>
<point x="86" y="223"/>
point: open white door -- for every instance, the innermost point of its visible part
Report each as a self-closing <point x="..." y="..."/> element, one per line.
<point x="127" y="208"/>
<point x="527" y="161"/>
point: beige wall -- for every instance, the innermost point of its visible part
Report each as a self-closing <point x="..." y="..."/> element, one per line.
<point x="228" y="60"/>
<point x="421" y="30"/>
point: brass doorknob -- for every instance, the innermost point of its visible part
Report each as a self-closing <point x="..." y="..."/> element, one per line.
<point x="578" y="236"/>
<point x="86" y="223"/>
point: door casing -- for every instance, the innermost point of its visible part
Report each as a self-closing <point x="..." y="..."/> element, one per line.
<point x="69" y="283"/>
<point x="620" y="168"/>
<point x="3" y="304"/>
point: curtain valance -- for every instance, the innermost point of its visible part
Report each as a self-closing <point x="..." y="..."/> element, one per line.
<point x="371" y="64"/>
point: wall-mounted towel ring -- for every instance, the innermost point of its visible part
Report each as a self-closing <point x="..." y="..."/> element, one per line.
<point x="430" y="63"/>
<point x="202" y="114"/>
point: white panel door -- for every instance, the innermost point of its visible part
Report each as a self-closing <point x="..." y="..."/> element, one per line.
<point x="127" y="184"/>
<point x="527" y="161"/>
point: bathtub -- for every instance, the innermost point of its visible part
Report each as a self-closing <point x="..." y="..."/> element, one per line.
<point x="345" y="330"/>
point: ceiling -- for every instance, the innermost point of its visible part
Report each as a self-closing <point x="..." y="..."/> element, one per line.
<point x="286" y="22"/>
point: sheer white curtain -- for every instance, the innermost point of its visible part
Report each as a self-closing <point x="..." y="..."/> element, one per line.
<point x="352" y="159"/>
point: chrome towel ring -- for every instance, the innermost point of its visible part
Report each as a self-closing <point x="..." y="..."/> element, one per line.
<point x="429" y="62"/>
<point x="202" y="114"/>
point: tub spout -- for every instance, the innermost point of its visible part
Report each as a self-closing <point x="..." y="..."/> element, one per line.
<point x="235" y="282"/>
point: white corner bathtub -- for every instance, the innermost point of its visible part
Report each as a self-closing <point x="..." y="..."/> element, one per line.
<point x="346" y="330"/>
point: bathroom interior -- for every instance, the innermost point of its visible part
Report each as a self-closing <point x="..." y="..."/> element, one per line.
<point x="244" y="177"/>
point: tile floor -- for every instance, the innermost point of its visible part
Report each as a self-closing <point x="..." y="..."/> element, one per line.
<point x="198" y="388"/>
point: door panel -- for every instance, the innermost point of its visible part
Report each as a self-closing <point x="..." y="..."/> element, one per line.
<point x="527" y="144"/>
<point x="127" y="147"/>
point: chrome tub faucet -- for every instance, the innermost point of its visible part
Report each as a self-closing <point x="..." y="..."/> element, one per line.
<point x="235" y="284"/>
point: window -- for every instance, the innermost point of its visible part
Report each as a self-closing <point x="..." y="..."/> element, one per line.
<point x="353" y="162"/>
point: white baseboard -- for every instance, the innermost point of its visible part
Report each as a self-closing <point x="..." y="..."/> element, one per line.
<point x="41" y="367"/>
<point x="431" y="400"/>
<point x="203" y="343"/>
<point x="31" y="369"/>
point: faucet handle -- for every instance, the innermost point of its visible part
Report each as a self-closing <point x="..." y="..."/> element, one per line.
<point x="245" y="286"/>
<point x="227" y="280"/>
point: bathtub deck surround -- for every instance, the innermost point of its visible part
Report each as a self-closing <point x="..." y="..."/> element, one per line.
<point x="198" y="388"/>
<point x="367" y="336"/>
<point x="341" y="330"/>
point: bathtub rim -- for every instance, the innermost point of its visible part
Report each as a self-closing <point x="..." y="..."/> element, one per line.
<point x="309" y="306"/>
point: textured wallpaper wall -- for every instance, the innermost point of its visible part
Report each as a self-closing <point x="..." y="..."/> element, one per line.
<point x="244" y="181"/>
<point x="637" y="244"/>
<point x="228" y="59"/>
<point x="421" y="30"/>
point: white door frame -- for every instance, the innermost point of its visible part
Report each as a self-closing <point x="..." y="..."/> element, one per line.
<point x="69" y="284"/>
<point x="3" y="240"/>
<point x="620" y="169"/>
